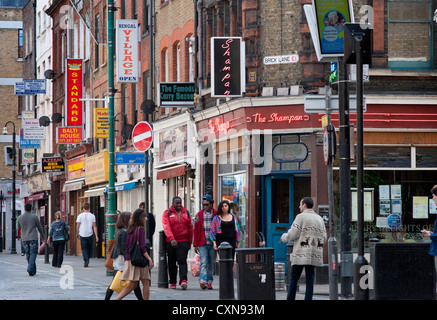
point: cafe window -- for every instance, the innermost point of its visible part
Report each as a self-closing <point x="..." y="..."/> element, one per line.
<point x="395" y="157"/>
<point x="291" y="152"/>
<point x="426" y="157"/>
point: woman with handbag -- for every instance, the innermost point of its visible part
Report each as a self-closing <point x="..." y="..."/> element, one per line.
<point x="58" y="235"/>
<point x="136" y="238"/>
<point x="118" y="253"/>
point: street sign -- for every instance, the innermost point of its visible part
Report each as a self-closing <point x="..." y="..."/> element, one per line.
<point x="129" y="158"/>
<point x="290" y="58"/>
<point x="316" y="104"/>
<point x="34" y="86"/>
<point x="142" y="136"/>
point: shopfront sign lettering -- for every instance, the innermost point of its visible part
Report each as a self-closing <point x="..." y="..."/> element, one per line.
<point x="218" y="125"/>
<point x="127" y="50"/>
<point x="228" y="67"/>
<point x="74" y="92"/>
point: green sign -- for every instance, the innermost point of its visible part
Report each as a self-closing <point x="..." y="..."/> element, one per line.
<point x="176" y="94"/>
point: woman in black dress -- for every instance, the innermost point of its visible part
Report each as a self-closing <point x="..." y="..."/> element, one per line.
<point x="225" y="227"/>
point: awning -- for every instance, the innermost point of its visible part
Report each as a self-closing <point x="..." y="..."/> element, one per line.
<point x="73" y="185"/>
<point x="125" y="185"/>
<point x="171" y="173"/>
<point x="36" y="196"/>
<point x="95" y="192"/>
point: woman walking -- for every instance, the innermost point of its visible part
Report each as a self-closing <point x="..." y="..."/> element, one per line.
<point x="225" y="227"/>
<point x="135" y="232"/>
<point x="119" y="250"/>
<point x="57" y="236"/>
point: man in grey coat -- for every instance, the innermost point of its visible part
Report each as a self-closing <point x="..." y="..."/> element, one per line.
<point x="29" y="225"/>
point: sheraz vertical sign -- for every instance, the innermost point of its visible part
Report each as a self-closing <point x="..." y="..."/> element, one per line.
<point x="74" y="92"/>
<point x="127" y="50"/>
<point x="228" y="72"/>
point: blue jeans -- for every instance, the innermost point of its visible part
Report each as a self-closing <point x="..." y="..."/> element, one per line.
<point x="207" y="263"/>
<point x="86" y="243"/>
<point x="31" y="250"/>
<point x="296" y="271"/>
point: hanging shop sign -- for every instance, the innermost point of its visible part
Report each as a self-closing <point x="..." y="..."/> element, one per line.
<point x="127" y="50"/>
<point x="97" y="168"/>
<point x="74" y="92"/>
<point x="69" y="135"/>
<point x="101" y="123"/>
<point x="52" y="164"/>
<point x="176" y="94"/>
<point x="76" y="168"/>
<point x="228" y="72"/>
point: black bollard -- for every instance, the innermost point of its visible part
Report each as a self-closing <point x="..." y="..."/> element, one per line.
<point x="226" y="273"/>
<point x="162" y="268"/>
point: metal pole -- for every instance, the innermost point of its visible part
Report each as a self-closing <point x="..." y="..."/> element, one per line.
<point x="360" y="293"/>
<point x="332" y="241"/>
<point x="345" y="176"/>
<point x="111" y="214"/>
<point x="14" y="218"/>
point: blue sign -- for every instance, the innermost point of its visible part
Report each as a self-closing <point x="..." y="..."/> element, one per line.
<point x="130" y="158"/>
<point x="19" y="88"/>
<point x="34" y="86"/>
<point x="125" y="186"/>
<point x="394" y="221"/>
<point x="28" y="143"/>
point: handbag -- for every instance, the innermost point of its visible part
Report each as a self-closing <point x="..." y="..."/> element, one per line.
<point x="136" y="256"/>
<point x="66" y="234"/>
<point x="118" y="285"/>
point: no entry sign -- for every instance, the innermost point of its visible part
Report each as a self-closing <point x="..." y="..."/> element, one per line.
<point x="142" y="136"/>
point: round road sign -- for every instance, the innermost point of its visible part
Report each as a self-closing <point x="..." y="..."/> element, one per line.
<point x="142" y="136"/>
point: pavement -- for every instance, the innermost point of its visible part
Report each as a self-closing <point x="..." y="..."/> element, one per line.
<point x="75" y="282"/>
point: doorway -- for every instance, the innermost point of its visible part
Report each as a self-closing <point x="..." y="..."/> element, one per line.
<point x="283" y="193"/>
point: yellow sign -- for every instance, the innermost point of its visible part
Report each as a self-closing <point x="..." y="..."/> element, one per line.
<point x="97" y="168"/>
<point x="101" y="123"/>
<point x="324" y="121"/>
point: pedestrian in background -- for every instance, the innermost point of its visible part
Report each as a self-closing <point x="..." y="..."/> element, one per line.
<point x="178" y="230"/>
<point x="225" y="227"/>
<point x="86" y="224"/>
<point x="134" y="274"/>
<point x="30" y="225"/>
<point x="433" y="235"/>
<point x="308" y="231"/>
<point x="56" y="235"/>
<point x="119" y="250"/>
<point x="202" y="242"/>
<point x="150" y="221"/>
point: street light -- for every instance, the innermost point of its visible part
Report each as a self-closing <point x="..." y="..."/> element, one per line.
<point x="14" y="231"/>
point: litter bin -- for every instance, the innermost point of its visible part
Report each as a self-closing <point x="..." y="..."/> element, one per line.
<point x="255" y="274"/>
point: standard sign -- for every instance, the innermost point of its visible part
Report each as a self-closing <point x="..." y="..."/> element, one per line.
<point x="180" y="94"/>
<point x="127" y="50"/>
<point x="291" y="58"/>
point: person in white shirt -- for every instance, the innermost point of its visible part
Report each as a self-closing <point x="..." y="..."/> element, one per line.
<point x="85" y="224"/>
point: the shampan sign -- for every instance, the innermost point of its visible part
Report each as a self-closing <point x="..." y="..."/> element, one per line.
<point x="127" y="50"/>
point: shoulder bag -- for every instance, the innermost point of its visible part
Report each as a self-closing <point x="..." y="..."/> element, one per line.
<point x="136" y="256"/>
<point x="66" y="233"/>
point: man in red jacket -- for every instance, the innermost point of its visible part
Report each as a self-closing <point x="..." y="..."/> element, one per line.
<point x="202" y="242"/>
<point x="178" y="230"/>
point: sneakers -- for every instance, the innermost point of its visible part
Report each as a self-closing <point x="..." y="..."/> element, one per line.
<point x="172" y="285"/>
<point x="203" y="285"/>
<point x="209" y="286"/>
<point x="184" y="285"/>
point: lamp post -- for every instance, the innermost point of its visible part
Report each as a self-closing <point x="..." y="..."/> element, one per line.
<point x="14" y="230"/>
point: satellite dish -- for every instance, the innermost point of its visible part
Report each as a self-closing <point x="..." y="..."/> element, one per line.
<point x="44" y="121"/>
<point x="49" y="74"/>
<point x="126" y="131"/>
<point x="56" y="118"/>
<point x="148" y="105"/>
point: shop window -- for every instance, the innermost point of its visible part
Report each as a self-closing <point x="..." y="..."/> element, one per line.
<point x="426" y="157"/>
<point x="291" y="153"/>
<point x="394" y="157"/>
<point x="410" y="37"/>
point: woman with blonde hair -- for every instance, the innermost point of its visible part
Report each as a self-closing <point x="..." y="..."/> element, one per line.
<point x="57" y="236"/>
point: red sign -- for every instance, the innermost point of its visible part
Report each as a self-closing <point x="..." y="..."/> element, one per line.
<point x="74" y="92"/>
<point x="142" y="136"/>
<point x="70" y="135"/>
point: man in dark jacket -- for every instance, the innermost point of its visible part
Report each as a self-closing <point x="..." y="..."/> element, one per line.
<point x="202" y="242"/>
<point x="29" y="225"/>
